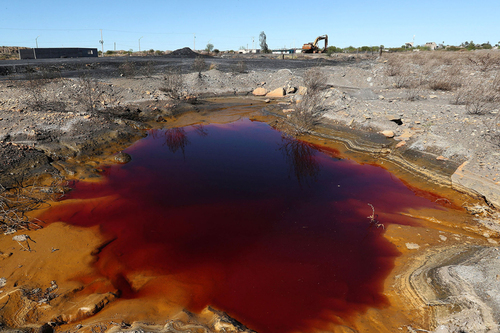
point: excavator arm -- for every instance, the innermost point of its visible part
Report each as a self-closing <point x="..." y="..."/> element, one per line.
<point x="313" y="47"/>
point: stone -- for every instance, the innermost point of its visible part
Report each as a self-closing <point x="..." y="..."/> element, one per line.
<point x="433" y="96"/>
<point x="381" y="97"/>
<point x="160" y="119"/>
<point x="302" y="90"/>
<point x="279" y="92"/>
<point x="387" y="134"/>
<point x="288" y="110"/>
<point x="123" y="158"/>
<point x="441" y="158"/>
<point x="291" y="90"/>
<point x="401" y="144"/>
<point x="267" y="100"/>
<point x="259" y="91"/>
<point x="412" y="246"/>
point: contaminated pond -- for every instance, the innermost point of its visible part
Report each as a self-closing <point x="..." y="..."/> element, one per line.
<point x="281" y="234"/>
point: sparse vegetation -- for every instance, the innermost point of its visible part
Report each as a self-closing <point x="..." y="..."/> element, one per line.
<point x="17" y="202"/>
<point x="199" y="65"/>
<point x="36" y="82"/>
<point x="172" y="82"/>
<point x="88" y="92"/>
<point x="239" y="67"/>
<point x="310" y="108"/>
<point x="128" y="69"/>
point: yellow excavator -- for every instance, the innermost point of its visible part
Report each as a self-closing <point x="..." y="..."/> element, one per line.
<point x="313" y="47"/>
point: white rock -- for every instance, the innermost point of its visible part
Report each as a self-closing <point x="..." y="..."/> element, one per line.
<point x="412" y="246"/>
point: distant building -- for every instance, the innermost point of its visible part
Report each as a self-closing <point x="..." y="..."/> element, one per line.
<point x="247" y="51"/>
<point x="60" y="52"/>
<point x="431" y="45"/>
<point x="284" y="51"/>
<point x="410" y="44"/>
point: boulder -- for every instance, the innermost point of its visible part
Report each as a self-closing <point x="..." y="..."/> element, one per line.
<point x="122" y="158"/>
<point x="387" y="134"/>
<point x="401" y="144"/>
<point x="302" y="90"/>
<point x="279" y="92"/>
<point x="260" y="92"/>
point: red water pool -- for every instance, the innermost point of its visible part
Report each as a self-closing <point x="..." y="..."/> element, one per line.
<point x="271" y="230"/>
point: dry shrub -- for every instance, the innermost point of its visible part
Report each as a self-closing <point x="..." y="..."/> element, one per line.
<point x="199" y="65"/>
<point x="128" y="69"/>
<point x="240" y="67"/>
<point x="314" y="80"/>
<point x="484" y="61"/>
<point x="36" y="82"/>
<point x="448" y="80"/>
<point x="414" y="87"/>
<point x="149" y="68"/>
<point x="172" y="82"/>
<point x="88" y="92"/>
<point x="393" y="66"/>
<point x="478" y="98"/>
<point x="17" y="202"/>
<point x="310" y="108"/>
<point x="213" y="66"/>
<point x="306" y="116"/>
<point x="404" y="79"/>
<point x="493" y="133"/>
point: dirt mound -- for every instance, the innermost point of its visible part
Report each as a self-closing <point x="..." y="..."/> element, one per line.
<point x="185" y="52"/>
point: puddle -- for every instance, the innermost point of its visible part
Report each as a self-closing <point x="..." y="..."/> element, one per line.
<point x="271" y="230"/>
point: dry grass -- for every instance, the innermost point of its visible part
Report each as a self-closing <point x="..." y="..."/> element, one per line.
<point x="17" y="202"/>
<point x="472" y="77"/>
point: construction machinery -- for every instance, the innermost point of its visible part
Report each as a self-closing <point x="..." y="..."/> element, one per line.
<point x="313" y="47"/>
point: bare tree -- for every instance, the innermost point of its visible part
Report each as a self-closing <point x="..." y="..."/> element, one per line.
<point x="263" y="42"/>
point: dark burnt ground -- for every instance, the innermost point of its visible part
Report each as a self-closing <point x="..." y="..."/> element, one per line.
<point x="110" y="66"/>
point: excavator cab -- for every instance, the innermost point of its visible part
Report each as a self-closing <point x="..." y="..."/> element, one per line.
<point x="313" y="47"/>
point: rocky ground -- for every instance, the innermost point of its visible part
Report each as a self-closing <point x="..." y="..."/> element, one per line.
<point x="403" y="105"/>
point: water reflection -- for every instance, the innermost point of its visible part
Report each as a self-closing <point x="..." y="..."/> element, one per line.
<point x="300" y="158"/>
<point x="175" y="138"/>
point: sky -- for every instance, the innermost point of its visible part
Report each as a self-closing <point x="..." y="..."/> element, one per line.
<point x="230" y="25"/>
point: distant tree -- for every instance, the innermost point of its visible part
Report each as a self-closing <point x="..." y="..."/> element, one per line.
<point x="263" y="42"/>
<point x="216" y="51"/>
<point x="471" y="46"/>
<point x="486" y="46"/>
<point x="209" y="47"/>
<point x="333" y="49"/>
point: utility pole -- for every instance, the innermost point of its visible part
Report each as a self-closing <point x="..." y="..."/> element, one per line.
<point x="253" y="42"/>
<point x="194" y="42"/>
<point x="140" y="44"/>
<point x="102" y="45"/>
<point x="115" y="46"/>
<point x="36" y="40"/>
